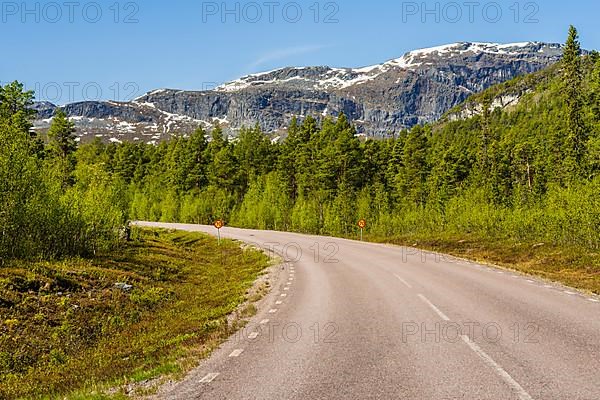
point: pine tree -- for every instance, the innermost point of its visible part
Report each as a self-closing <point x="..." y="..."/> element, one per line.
<point x="253" y="154"/>
<point x="395" y="165"/>
<point x="62" y="136"/>
<point x="224" y="172"/>
<point x="286" y="162"/>
<point x="62" y="146"/>
<point x="413" y="175"/>
<point x="15" y="106"/>
<point x="216" y="142"/>
<point x="576" y="133"/>
<point x="348" y="150"/>
<point x="195" y="162"/>
<point x="483" y="158"/>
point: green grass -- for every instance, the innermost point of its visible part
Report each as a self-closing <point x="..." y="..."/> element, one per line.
<point x="66" y="331"/>
<point x="574" y="266"/>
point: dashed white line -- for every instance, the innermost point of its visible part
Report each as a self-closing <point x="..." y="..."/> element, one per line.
<point x="272" y="311"/>
<point x="434" y="308"/>
<point x="209" y="378"/>
<point x="522" y="394"/>
<point x="403" y="281"/>
<point x="278" y="302"/>
<point x="286" y="288"/>
<point x="264" y="322"/>
<point x="594" y="300"/>
<point x="253" y="335"/>
<point x="283" y="294"/>
<point x="236" y="353"/>
<point x="530" y="281"/>
<point x="569" y="293"/>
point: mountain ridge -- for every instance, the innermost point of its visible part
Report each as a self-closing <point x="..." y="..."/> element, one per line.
<point x="379" y="99"/>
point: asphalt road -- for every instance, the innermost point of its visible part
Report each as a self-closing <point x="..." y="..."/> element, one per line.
<point x="352" y="320"/>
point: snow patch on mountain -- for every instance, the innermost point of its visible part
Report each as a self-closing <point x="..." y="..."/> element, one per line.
<point x="416" y="88"/>
<point x="341" y="78"/>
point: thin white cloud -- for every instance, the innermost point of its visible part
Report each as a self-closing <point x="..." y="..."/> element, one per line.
<point x="282" y="54"/>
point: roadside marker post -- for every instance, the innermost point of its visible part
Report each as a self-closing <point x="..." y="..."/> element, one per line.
<point x="219" y="224"/>
<point x="362" y="224"/>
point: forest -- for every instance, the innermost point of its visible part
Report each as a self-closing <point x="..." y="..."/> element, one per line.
<point x="527" y="173"/>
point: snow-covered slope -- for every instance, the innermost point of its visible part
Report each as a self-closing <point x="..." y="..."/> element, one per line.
<point x="340" y="78"/>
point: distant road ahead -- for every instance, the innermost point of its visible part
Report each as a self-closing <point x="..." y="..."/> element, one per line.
<point x="352" y="320"/>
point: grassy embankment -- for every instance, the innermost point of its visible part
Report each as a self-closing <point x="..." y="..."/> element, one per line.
<point x="573" y="266"/>
<point x="66" y="330"/>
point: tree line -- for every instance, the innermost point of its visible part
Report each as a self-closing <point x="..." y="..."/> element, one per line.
<point x="530" y="172"/>
<point x="50" y="205"/>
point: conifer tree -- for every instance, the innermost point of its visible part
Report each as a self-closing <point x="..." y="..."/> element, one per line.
<point x="195" y="162"/>
<point x="395" y="165"/>
<point x="216" y="143"/>
<point x="414" y="170"/>
<point x="62" y="146"/>
<point x="572" y="81"/>
<point x="286" y="163"/>
<point x="15" y="106"/>
<point x="62" y="136"/>
<point x="484" y="150"/>
<point x="304" y="155"/>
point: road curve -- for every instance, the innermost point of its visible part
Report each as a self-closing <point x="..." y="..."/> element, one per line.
<point x="353" y="320"/>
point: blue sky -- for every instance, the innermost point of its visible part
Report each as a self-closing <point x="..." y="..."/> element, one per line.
<point x="119" y="50"/>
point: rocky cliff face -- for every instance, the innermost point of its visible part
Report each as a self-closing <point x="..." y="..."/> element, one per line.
<point x="416" y="88"/>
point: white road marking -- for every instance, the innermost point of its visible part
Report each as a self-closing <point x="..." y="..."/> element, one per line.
<point x="236" y="353"/>
<point x="283" y="294"/>
<point x="272" y="311"/>
<point x="434" y="308"/>
<point x="523" y="395"/>
<point x="286" y="288"/>
<point x="288" y="283"/>
<point x="209" y="378"/>
<point x="253" y="335"/>
<point x="403" y="281"/>
<point x="594" y="300"/>
<point x="499" y="272"/>
<point x="530" y="281"/>
<point x="264" y="322"/>
<point x="549" y="286"/>
<point x="569" y="293"/>
<point x="291" y="279"/>
<point x="278" y="302"/>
